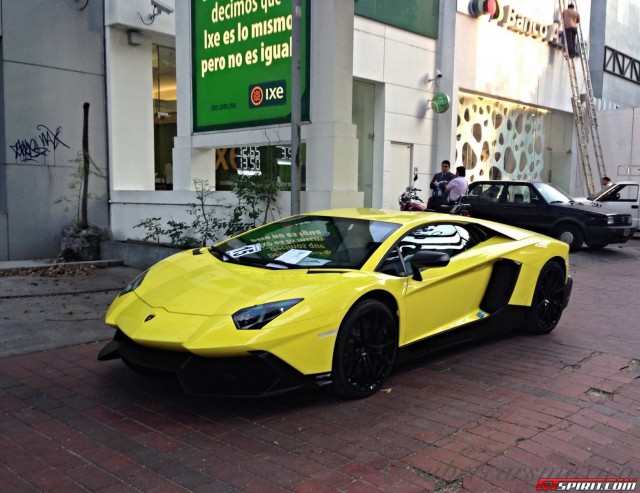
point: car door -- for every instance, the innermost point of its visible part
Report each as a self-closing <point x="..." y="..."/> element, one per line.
<point x="449" y="296"/>
<point x="484" y="200"/>
<point x="523" y="207"/>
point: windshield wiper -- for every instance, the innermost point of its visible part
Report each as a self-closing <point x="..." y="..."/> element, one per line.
<point x="221" y="254"/>
<point x="270" y="263"/>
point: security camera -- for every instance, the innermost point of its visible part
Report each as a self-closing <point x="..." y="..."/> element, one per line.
<point x="438" y="74"/>
<point x="162" y="7"/>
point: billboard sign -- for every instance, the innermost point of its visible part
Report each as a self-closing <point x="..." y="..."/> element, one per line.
<point x="242" y="63"/>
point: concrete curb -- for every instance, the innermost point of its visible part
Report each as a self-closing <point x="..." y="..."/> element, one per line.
<point x="12" y="265"/>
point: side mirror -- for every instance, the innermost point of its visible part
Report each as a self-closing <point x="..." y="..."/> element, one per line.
<point x="427" y="258"/>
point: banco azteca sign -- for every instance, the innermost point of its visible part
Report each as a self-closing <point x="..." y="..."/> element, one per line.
<point x="508" y="17"/>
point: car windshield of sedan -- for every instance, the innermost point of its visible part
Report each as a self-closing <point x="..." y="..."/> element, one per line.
<point x="307" y="241"/>
<point x="552" y="194"/>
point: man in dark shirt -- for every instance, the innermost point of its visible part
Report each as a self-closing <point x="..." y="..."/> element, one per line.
<point x="438" y="184"/>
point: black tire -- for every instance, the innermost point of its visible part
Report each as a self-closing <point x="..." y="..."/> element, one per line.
<point x="365" y="350"/>
<point x="548" y="300"/>
<point x="571" y="234"/>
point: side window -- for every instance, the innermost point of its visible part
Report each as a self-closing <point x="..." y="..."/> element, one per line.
<point x="519" y="194"/>
<point x="486" y="192"/>
<point x="451" y="239"/>
<point x="628" y="193"/>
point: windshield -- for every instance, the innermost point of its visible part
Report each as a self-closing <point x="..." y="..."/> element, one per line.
<point x="606" y="194"/>
<point x="307" y="241"/>
<point x="553" y="194"/>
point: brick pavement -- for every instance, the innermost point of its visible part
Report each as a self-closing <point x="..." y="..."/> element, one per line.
<point x="491" y="416"/>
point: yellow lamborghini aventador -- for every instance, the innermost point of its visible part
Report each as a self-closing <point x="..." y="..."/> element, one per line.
<point x="334" y="298"/>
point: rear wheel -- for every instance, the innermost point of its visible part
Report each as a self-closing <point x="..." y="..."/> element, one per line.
<point x="365" y="350"/>
<point x="548" y="300"/>
<point x="571" y="234"/>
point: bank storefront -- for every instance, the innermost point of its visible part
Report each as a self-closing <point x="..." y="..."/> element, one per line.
<point x="514" y="117"/>
<point x="368" y="82"/>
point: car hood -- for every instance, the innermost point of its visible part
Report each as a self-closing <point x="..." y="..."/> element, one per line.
<point x="589" y="205"/>
<point x="587" y="201"/>
<point x="201" y="284"/>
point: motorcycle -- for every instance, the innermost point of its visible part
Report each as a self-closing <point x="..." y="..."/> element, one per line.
<point x="410" y="201"/>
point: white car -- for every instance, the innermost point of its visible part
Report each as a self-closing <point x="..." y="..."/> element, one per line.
<point x="622" y="197"/>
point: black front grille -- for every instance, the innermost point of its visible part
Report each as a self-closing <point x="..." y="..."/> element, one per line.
<point x="257" y="374"/>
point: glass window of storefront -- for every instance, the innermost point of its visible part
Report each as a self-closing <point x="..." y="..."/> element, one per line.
<point x="164" y="114"/>
<point x="265" y="161"/>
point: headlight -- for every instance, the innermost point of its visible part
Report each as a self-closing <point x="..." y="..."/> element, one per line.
<point x="134" y="284"/>
<point x="256" y="317"/>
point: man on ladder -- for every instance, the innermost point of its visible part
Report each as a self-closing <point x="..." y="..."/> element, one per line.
<point x="571" y="19"/>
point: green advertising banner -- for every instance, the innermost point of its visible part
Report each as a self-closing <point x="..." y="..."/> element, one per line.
<point x="242" y="63"/>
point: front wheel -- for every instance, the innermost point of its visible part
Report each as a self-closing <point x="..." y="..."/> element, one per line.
<point x="548" y="300"/>
<point x="365" y="349"/>
<point x="571" y="234"/>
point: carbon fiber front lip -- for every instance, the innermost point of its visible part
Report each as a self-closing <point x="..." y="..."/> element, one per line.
<point x="258" y="374"/>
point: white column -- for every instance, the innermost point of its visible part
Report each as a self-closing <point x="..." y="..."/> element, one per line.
<point x="332" y="150"/>
<point x="130" y="111"/>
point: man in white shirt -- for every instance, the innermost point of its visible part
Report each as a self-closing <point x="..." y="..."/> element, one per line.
<point x="458" y="187"/>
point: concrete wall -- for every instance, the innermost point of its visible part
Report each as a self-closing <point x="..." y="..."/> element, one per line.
<point x="400" y="63"/>
<point x="52" y="63"/>
<point x="623" y="25"/>
<point x="620" y="137"/>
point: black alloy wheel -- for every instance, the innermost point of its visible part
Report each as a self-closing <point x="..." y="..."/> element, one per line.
<point x="548" y="300"/>
<point x="365" y="349"/>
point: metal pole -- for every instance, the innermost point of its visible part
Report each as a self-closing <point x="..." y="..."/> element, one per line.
<point x="296" y="7"/>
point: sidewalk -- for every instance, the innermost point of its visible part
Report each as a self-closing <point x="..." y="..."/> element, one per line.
<point x="45" y="305"/>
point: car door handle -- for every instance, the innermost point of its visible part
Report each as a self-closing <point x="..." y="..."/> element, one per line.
<point x="634" y="206"/>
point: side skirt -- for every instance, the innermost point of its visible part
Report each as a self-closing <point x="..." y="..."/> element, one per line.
<point x="502" y="322"/>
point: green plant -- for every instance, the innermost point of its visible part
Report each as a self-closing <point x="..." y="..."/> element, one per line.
<point x="153" y="229"/>
<point x="256" y="197"/>
<point x="205" y="223"/>
<point x="78" y="185"/>
<point x="177" y="232"/>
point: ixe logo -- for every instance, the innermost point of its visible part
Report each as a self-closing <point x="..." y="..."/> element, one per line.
<point x="268" y="94"/>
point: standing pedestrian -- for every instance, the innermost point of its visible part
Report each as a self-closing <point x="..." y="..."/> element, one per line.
<point x="571" y="19"/>
<point x="438" y="184"/>
<point x="458" y="187"/>
<point x="606" y="182"/>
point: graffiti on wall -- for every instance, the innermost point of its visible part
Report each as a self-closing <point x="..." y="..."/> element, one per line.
<point x="29" y="150"/>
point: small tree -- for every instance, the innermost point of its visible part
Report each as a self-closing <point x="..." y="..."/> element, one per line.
<point x="82" y="234"/>
<point x="79" y="183"/>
